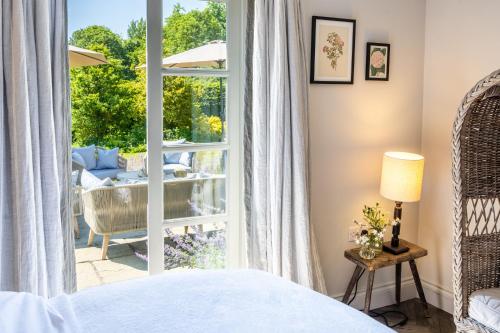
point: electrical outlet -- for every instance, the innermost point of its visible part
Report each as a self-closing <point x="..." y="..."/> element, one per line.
<point x="353" y="231"/>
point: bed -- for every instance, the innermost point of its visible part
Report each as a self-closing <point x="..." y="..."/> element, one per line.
<point x="194" y="301"/>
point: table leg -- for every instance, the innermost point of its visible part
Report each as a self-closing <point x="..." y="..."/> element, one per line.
<point x="398" y="283"/>
<point x="369" y="288"/>
<point x="352" y="283"/>
<point x="418" y="284"/>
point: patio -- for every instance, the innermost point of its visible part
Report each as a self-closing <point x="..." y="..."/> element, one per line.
<point x="121" y="264"/>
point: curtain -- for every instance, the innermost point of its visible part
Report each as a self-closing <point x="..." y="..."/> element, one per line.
<point x="36" y="240"/>
<point x="280" y="237"/>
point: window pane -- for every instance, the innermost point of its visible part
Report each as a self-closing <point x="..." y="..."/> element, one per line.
<point x="194" y="109"/>
<point x="108" y="110"/>
<point x="194" y="34"/>
<point x="195" y="184"/>
<point x="199" y="246"/>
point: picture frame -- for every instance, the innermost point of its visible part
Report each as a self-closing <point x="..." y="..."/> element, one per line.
<point x="332" y="50"/>
<point x="378" y="56"/>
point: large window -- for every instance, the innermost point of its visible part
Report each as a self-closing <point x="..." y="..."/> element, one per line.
<point x="167" y="96"/>
<point x="194" y="176"/>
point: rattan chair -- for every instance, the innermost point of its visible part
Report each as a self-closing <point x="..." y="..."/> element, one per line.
<point x="476" y="182"/>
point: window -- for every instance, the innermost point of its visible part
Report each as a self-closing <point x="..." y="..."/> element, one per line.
<point x="194" y="138"/>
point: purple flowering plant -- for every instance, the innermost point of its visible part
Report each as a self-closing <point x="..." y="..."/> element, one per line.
<point x="205" y="250"/>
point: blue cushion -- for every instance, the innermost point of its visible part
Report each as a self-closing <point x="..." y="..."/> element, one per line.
<point x="172" y="158"/>
<point x="107" y="159"/>
<point x="105" y="173"/>
<point x="89" y="181"/>
<point x="88" y="154"/>
<point x="78" y="159"/>
<point x="186" y="159"/>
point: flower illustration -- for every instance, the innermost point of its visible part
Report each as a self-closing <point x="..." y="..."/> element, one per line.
<point x="335" y="49"/>
<point x="377" y="59"/>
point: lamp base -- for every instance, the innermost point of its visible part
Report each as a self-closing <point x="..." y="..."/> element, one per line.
<point x="395" y="250"/>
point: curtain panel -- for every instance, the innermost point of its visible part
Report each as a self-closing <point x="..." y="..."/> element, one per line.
<point x="36" y="240"/>
<point x="280" y="237"/>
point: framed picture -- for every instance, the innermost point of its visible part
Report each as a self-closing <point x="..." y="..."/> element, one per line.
<point x="332" y="50"/>
<point x="377" y="61"/>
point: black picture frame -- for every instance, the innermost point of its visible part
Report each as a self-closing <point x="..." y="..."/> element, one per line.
<point x="313" y="78"/>
<point x="369" y="76"/>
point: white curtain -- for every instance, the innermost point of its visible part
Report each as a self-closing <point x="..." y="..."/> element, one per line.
<point x="280" y="237"/>
<point x="36" y="241"/>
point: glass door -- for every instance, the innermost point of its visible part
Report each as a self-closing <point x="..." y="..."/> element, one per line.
<point x="194" y="134"/>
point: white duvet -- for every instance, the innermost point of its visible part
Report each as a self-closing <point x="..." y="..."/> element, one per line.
<point x="195" y="301"/>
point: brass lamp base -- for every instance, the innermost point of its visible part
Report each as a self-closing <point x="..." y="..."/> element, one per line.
<point x="395" y="250"/>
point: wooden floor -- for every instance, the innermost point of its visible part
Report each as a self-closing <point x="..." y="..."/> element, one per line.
<point x="439" y="321"/>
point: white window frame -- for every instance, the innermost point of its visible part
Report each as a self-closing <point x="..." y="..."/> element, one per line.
<point x="233" y="144"/>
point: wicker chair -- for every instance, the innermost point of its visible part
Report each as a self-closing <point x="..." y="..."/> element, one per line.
<point x="123" y="208"/>
<point x="476" y="182"/>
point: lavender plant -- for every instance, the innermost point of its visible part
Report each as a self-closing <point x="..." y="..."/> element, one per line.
<point x="199" y="249"/>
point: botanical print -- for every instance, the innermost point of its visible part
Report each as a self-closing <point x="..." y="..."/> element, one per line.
<point x="377" y="62"/>
<point x="335" y="50"/>
<point x="332" y="57"/>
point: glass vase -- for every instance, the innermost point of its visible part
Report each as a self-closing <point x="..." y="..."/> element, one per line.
<point x="378" y="247"/>
<point x="367" y="252"/>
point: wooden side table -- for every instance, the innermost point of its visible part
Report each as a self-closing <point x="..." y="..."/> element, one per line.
<point x="383" y="260"/>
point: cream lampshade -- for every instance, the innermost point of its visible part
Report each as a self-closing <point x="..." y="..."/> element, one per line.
<point x="401" y="181"/>
<point x="402" y="175"/>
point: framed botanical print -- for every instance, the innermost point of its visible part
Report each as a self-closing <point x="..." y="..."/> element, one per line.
<point x="377" y="61"/>
<point x="332" y="50"/>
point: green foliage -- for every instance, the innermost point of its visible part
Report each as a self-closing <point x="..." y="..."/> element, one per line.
<point x="109" y="101"/>
<point x="184" y="31"/>
<point x="375" y="217"/>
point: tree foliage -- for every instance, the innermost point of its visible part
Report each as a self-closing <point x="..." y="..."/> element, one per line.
<point x="109" y="101"/>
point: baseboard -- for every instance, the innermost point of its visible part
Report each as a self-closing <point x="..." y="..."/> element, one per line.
<point x="383" y="295"/>
<point x="437" y="296"/>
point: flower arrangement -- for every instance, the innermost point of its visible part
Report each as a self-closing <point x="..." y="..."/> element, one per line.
<point x="371" y="235"/>
<point x="334" y="51"/>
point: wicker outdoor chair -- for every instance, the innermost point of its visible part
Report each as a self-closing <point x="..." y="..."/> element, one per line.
<point x="476" y="183"/>
<point x="123" y="208"/>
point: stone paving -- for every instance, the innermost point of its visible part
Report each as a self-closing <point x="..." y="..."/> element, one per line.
<point x="121" y="263"/>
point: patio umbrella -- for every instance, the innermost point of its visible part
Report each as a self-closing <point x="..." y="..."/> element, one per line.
<point x="212" y="54"/>
<point x="79" y="57"/>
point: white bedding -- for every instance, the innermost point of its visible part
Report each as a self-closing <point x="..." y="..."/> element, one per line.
<point x="206" y="301"/>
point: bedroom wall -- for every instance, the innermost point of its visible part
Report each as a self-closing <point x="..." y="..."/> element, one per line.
<point x="462" y="46"/>
<point x="352" y="126"/>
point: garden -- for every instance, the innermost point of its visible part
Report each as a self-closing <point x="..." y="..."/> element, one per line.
<point x="109" y="101"/>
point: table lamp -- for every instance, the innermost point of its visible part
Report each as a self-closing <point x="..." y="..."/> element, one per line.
<point x="401" y="181"/>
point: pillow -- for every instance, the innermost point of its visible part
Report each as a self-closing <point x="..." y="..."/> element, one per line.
<point x="484" y="307"/>
<point x="89" y="181"/>
<point x="88" y="155"/>
<point x="185" y="159"/>
<point x="172" y="158"/>
<point x="78" y="158"/>
<point x="107" y="159"/>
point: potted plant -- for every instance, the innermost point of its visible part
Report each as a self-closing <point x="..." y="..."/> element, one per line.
<point x="371" y="235"/>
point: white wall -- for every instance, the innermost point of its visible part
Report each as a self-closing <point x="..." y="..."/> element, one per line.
<point x="352" y="125"/>
<point x="462" y="46"/>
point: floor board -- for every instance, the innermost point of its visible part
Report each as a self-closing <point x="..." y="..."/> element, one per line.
<point x="438" y="321"/>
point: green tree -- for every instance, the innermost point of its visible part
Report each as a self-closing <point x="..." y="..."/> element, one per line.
<point x="105" y="106"/>
<point x="186" y="30"/>
<point x="109" y="101"/>
<point x="135" y="44"/>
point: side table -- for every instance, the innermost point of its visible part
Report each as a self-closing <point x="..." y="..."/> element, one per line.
<point x="385" y="259"/>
